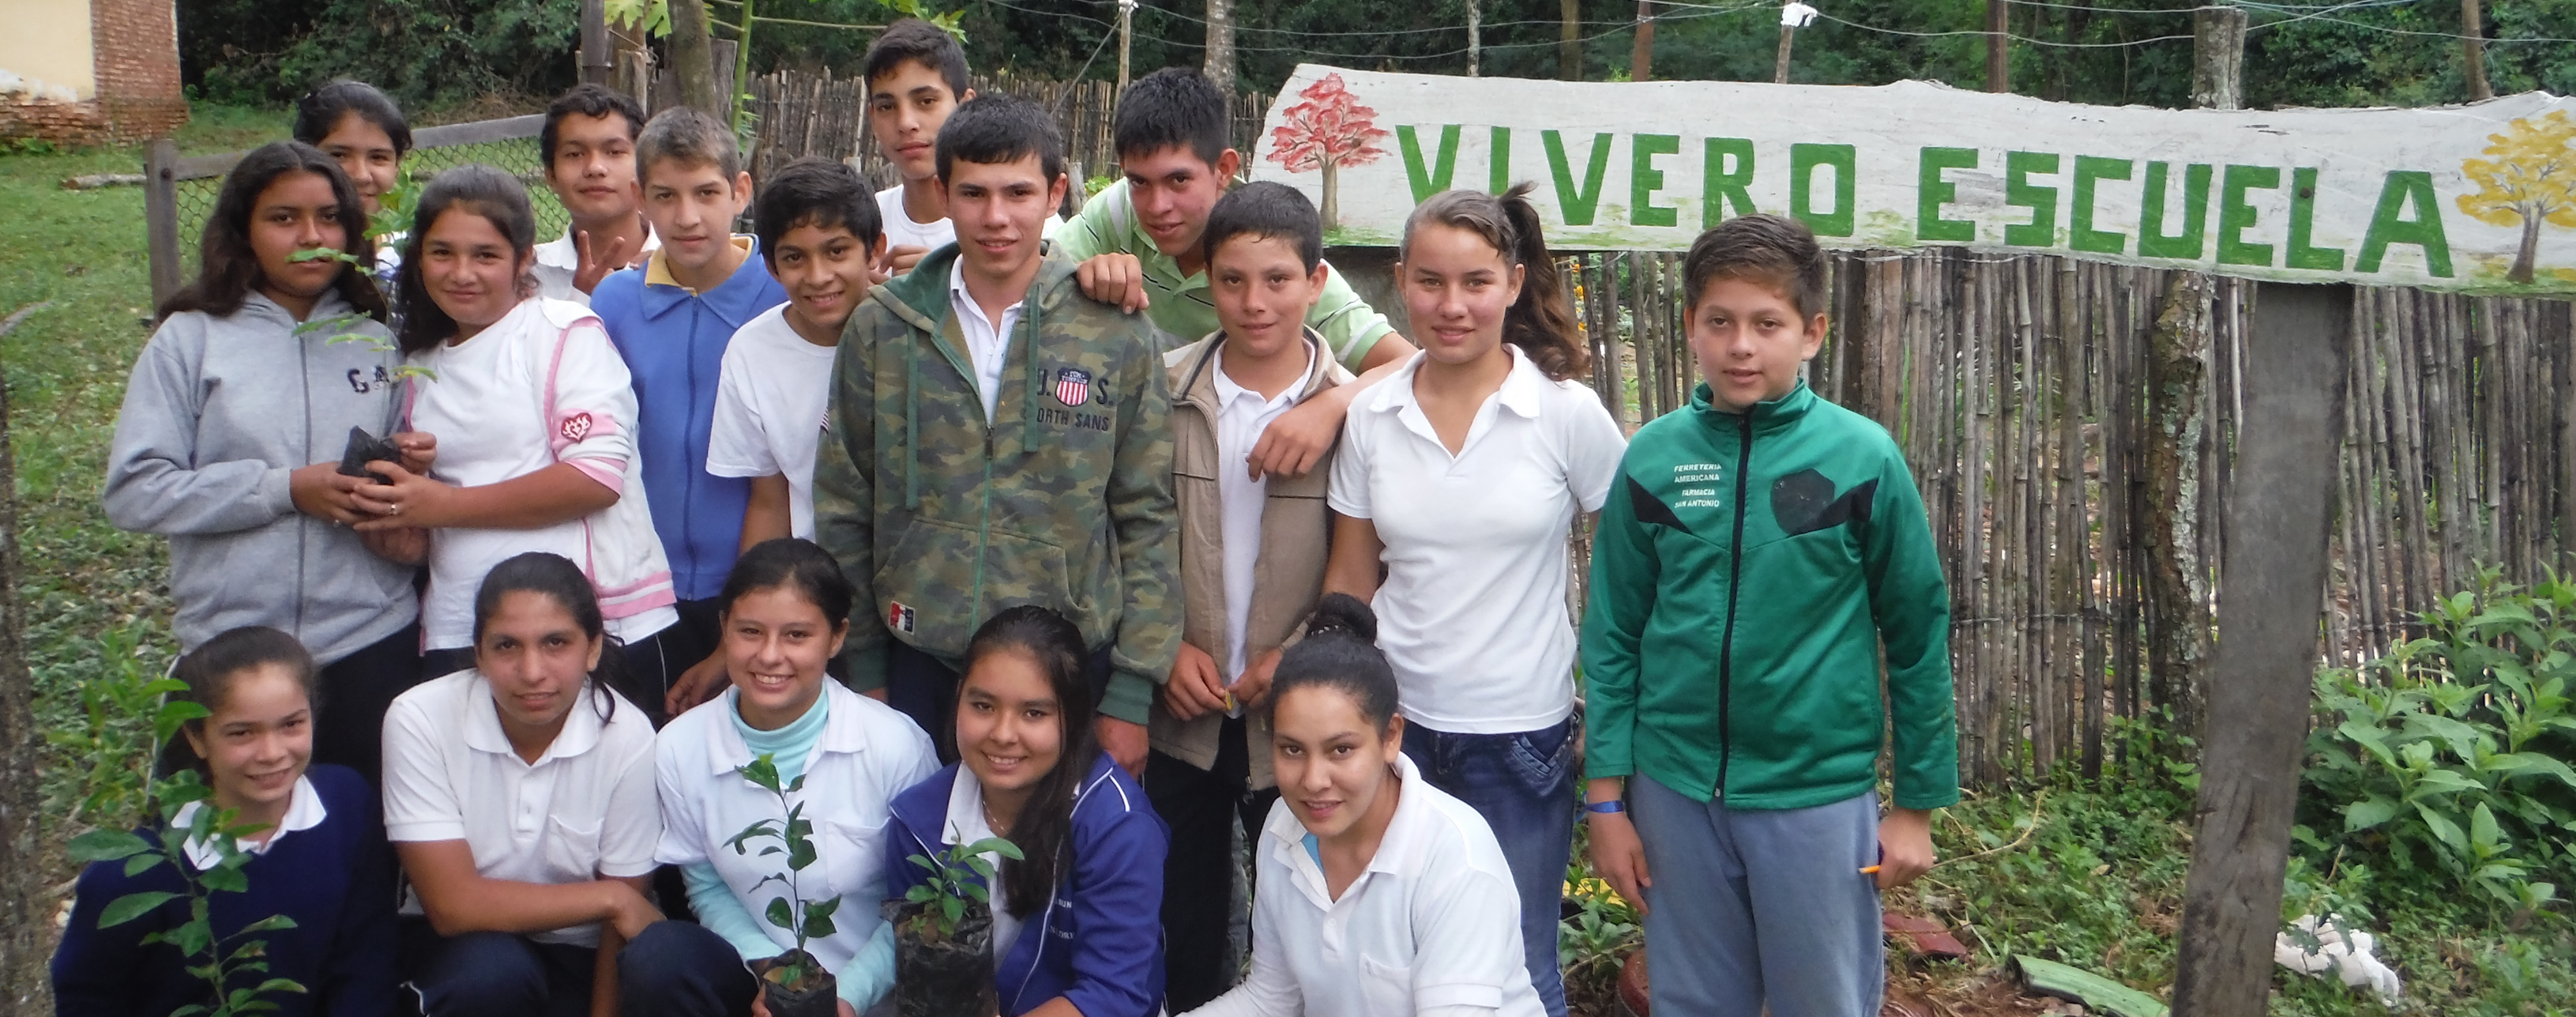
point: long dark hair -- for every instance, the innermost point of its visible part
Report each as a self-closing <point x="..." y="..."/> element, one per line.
<point x="471" y="189"/>
<point x="556" y="578"/>
<point x="210" y="670"/>
<point x="1541" y="322"/>
<point x="1339" y="653"/>
<point x="1044" y="830"/>
<point x="227" y="268"/>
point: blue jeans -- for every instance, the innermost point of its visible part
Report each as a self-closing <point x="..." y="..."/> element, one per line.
<point x="678" y="969"/>
<point x="1523" y="784"/>
<point x="495" y="974"/>
<point x="1760" y="907"/>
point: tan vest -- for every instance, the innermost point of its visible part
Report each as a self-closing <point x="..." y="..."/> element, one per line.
<point x="1296" y="532"/>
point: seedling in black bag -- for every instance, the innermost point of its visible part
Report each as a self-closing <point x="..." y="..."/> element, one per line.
<point x="797" y="985"/>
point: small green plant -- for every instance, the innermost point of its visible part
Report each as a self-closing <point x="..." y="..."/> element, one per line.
<point x="2447" y="757"/>
<point x="807" y="920"/>
<point x="112" y="745"/>
<point x="953" y="883"/>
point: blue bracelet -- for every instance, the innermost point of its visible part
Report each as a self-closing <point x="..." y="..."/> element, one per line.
<point x="1605" y="808"/>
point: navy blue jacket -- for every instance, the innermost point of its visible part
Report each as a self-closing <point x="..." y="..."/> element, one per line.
<point x="1099" y="942"/>
<point x="335" y="880"/>
<point x="674" y="344"/>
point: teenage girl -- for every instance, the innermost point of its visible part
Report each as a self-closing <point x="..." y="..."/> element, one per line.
<point x="534" y="417"/>
<point x="1031" y="771"/>
<point x="1360" y="849"/>
<point x="1459" y="478"/>
<point x="230" y="440"/>
<point x="360" y="128"/>
<point x="519" y="794"/>
<point x="783" y="612"/>
<point x="318" y="857"/>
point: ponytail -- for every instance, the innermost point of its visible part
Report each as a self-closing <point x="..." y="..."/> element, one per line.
<point x="1541" y="322"/>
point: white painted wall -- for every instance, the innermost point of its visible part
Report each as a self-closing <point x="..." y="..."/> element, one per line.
<point x="45" y="50"/>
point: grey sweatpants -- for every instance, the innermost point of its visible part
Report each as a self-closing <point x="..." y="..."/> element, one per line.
<point x="1753" y="907"/>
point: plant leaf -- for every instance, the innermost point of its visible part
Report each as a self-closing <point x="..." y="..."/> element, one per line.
<point x="2370" y="812"/>
<point x="132" y="906"/>
<point x="780" y="916"/>
<point x="106" y="845"/>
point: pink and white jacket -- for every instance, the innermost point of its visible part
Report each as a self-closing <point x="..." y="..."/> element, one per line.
<point x="539" y="387"/>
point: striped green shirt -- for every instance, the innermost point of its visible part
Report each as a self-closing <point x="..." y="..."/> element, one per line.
<point x="1180" y="304"/>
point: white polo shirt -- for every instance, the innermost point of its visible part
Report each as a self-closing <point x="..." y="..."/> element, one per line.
<point x="1431" y="928"/>
<point x="304" y="811"/>
<point x="584" y="810"/>
<point x="558" y="260"/>
<point x="1472" y="614"/>
<point x="868" y="753"/>
<point x="1242" y="414"/>
<point x="988" y="342"/>
<point x="771" y="396"/>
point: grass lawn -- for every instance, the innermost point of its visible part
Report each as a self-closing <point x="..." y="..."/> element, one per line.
<point x="2088" y="873"/>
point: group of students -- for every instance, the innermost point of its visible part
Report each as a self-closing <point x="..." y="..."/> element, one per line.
<point x="1141" y="521"/>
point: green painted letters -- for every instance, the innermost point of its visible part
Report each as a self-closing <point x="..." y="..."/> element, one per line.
<point x="2424" y="231"/>
<point x="1578" y="204"/>
<point x="2152" y="241"/>
<point x="1804" y="158"/>
<point x="2234" y="215"/>
<point x="2080" y="233"/>
<point x="1498" y="161"/>
<point x="1720" y="186"/>
<point x="1442" y="167"/>
<point x="2303" y="215"/>
<point x="1931" y="192"/>
<point x="2019" y="192"/>
<point x="1644" y="179"/>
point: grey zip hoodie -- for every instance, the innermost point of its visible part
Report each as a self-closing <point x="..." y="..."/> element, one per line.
<point x="217" y="412"/>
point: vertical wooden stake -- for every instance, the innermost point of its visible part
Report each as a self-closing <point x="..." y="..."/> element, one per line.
<point x="1219" y="66"/>
<point x="1569" y="40"/>
<point x="1780" y="68"/>
<point x="2473" y="43"/>
<point x="1126" y="22"/>
<point x="161" y="216"/>
<point x="595" y="61"/>
<point x="2218" y="58"/>
<point x="1475" y="29"/>
<point x="1998" y="53"/>
<point x="1641" y="58"/>
<point x="2280" y="510"/>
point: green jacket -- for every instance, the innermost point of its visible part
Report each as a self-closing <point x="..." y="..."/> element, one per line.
<point x="1065" y="499"/>
<point x="1747" y="569"/>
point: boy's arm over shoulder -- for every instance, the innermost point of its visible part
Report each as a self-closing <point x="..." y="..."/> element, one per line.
<point x="1144" y="521"/>
<point x="1348" y="324"/>
<point x="1911" y="602"/>
<point x="1625" y="572"/>
<point x="845" y="494"/>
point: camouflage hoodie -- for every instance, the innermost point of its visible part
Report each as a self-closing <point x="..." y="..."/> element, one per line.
<point x="1064" y="499"/>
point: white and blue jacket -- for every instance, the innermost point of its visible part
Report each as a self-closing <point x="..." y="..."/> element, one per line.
<point x="1099" y="941"/>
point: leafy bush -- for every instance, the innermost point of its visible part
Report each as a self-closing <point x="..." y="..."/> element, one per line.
<point x="2448" y="757"/>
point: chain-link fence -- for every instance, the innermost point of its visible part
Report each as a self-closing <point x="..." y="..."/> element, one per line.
<point x="183" y="190"/>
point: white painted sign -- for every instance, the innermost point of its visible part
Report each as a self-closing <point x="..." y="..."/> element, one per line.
<point x="2476" y="197"/>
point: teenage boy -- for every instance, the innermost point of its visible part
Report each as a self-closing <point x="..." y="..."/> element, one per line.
<point x="915" y="75"/>
<point x="996" y="439"/>
<point x="1138" y="242"/>
<point x="1759" y="551"/>
<point x="819" y="230"/>
<point x="1252" y="562"/>
<point x="672" y="320"/>
<point x="589" y="147"/>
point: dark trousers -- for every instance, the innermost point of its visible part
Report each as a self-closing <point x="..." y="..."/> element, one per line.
<point x="646" y="667"/>
<point x="1523" y="784"/>
<point x="356" y="690"/>
<point x="922" y="688"/>
<point x="495" y="974"/>
<point x="676" y="969"/>
<point x="1202" y="807"/>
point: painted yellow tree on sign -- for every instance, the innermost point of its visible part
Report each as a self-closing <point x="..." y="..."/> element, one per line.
<point x="2530" y="178"/>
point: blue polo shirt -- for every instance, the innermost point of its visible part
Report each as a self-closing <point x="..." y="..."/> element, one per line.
<point x="674" y="342"/>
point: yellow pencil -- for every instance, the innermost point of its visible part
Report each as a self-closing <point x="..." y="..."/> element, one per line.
<point x="1870" y="870"/>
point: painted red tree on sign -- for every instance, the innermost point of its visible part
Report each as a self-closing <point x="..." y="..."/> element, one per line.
<point x="1328" y="131"/>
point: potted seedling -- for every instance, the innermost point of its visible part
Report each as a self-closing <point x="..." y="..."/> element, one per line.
<point x="943" y="946"/>
<point x="796" y="984"/>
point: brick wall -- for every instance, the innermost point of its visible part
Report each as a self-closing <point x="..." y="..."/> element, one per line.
<point x="137" y="42"/>
<point x="137" y="63"/>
